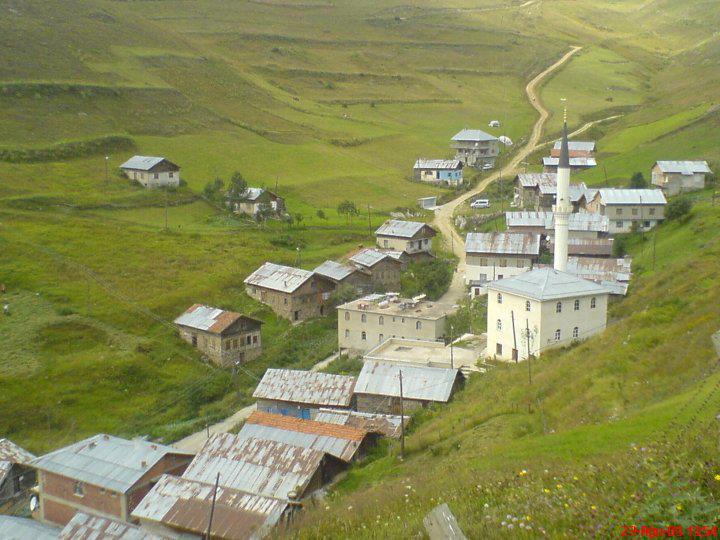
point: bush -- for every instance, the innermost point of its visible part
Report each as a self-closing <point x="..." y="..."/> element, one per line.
<point x="427" y="277"/>
<point x="678" y="208"/>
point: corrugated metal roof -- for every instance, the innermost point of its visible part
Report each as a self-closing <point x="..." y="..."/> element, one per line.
<point x="341" y="442"/>
<point x="586" y="246"/>
<point x="384" y="424"/>
<point x="632" y="196"/>
<point x="550" y="161"/>
<point x="684" y="167"/>
<point x="5" y="468"/>
<point x="613" y="274"/>
<point x="574" y="190"/>
<point x="9" y="451"/>
<point x="278" y="277"/>
<point x="578" y="221"/>
<point x="506" y="243"/>
<point x="298" y="386"/>
<point x="184" y="505"/>
<point x="253" y="465"/>
<point x="367" y="258"/>
<point x="473" y="135"/>
<point x="438" y="164"/>
<point x="91" y="527"/>
<point x="419" y="382"/>
<point x="105" y="461"/>
<point x="252" y="193"/>
<point x="142" y="163"/>
<point x="18" y="528"/>
<point x="402" y="229"/>
<point x="584" y="146"/>
<point x="547" y="284"/>
<point x="334" y="270"/>
<point x="528" y="180"/>
<point x="209" y="319"/>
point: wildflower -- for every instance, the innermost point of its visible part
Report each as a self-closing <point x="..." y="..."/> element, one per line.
<point x="503" y="523"/>
<point x="593" y="507"/>
<point x="717" y="477"/>
<point x="528" y="518"/>
<point x="546" y="490"/>
<point x="522" y="473"/>
<point x="678" y="507"/>
<point x="522" y="525"/>
<point x="349" y="507"/>
<point x="327" y="508"/>
<point x="508" y="516"/>
<point x="575" y="478"/>
<point x="559" y="486"/>
<point x="567" y="505"/>
<point x="510" y="526"/>
<point x="486" y="505"/>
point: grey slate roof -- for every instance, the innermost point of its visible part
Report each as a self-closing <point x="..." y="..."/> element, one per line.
<point x="400" y="229"/>
<point x="419" y="382"/>
<point x="369" y="257"/>
<point x="578" y="221"/>
<point x="278" y="277"/>
<point x="311" y="387"/>
<point x="91" y="527"/>
<point x="632" y="196"/>
<point x="473" y="135"/>
<point x="334" y="271"/>
<point x="550" y="161"/>
<point x="105" y="461"/>
<point x="584" y="146"/>
<point x="503" y="243"/>
<point x="142" y="163"/>
<point x="687" y="168"/>
<point x="438" y="164"/>
<point x="547" y="284"/>
<point x="19" y="528"/>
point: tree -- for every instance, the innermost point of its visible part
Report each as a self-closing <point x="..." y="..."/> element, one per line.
<point x="264" y="212"/>
<point x="237" y="190"/>
<point x="321" y="214"/>
<point x="348" y="209"/>
<point x="299" y="218"/>
<point x="637" y="181"/>
<point x="212" y="189"/>
<point x="678" y="208"/>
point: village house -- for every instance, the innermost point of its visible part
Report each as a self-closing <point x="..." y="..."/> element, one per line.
<point x="345" y="443"/>
<point x="384" y="268"/>
<point x="152" y="172"/>
<point x="675" y="177"/>
<point x="292" y="293"/>
<point x="345" y="276"/>
<point x="412" y="237"/>
<point x="378" y="387"/>
<point x="102" y="475"/>
<point x="581" y="224"/>
<point x="475" y="148"/>
<point x="550" y="164"/>
<point x="20" y="528"/>
<point x="254" y="201"/>
<point x="497" y="255"/>
<point x="84" y="526"/>
<point x="540" y="309"/>
<point x="538" y="191"/>
<point x="612" y="273"/>
<point x="16" y="475"/>
<point x="587" y="247"/>
<point x="365" y="322"/>
<point x="382" y="425"/>
<point x="225" y="337"/>
<point x="629" y="209"/>
<point x="575" y="149"/>
<point x="439" y="171"/>
<point x="301" y="393"/>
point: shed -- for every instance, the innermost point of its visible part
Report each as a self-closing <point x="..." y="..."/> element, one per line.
<point x="16" y="475"/>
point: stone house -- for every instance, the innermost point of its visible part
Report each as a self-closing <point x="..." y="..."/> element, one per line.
<point x="675" y="177"/>
<point x="439" y="171"/>
<point x="475" y="148"/>
<point x="412" y="237"/>
<point x="152" y="172"/>
<point x="542" y="309"/>
<point x="497" y="255"/>
<point x="581" y="224"/>
<point x="575" y="149"/>
<point x="629" y="209"/>
<point x="16" y="475"/>
<point x="344" y="275"/>
<point x="292" y="293"/>
<point x="538" y="191"/>
<point x="301" y="393"/>
<point x="384" y="268"/>
<point x="225" y="337"/>
<point x="103" y="475"/>
<point x="253" y="199"/>
<point x="378" y="387"/>
<point x="368" y="321"/>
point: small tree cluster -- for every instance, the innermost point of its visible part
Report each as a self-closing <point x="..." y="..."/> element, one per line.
<point x="678" y="208"/>
<point x="348" y="209"/>
<point x="637" y="181"/>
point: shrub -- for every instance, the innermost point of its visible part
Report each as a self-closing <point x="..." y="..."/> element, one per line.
<point x="678" y="208"/>
<point x="427" y="277"/>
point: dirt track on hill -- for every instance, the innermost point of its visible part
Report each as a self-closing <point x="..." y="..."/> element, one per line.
<point x="444" y="214"/>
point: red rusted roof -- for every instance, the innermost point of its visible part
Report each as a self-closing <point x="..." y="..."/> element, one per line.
<point x="307" y="426"/>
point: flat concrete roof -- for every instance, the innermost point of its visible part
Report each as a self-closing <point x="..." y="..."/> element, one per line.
<point x="427" y="353"/>
<point x="393" y="305"/>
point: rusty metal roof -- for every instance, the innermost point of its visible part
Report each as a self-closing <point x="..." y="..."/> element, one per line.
<point x="92" y="527"/>
<point x="419" y="382"/>
<point x="184" y="505"/>
<point x="403" y="229"/>
<point x="299" y="386"/>
<point x="503" y="243"/>
<point x="210" y="319"/>
<point x="586" y="246"/>
<point x="12" y="453"/>
<point x="278" y="277"/>
<point x="387" y="425"/>
<point x="528" y="180"/>
<point x="260" y="466"/>
<point x="339" y="441"/>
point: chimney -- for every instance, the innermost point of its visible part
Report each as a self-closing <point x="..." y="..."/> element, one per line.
<point x="563" y="207"/>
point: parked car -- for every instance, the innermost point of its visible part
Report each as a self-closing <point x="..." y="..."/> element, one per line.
<point x="487" y="167"/>
<point x="480" y="203"/>
<point x="494" y="123"/>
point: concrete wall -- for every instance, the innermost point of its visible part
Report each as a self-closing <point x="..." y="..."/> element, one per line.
<point x="224" y="351"/>
<point x="416" y="245"/>
<point x="154" y="180"/>
<point x="674" y="183"/>
<point x="490" y="267"/>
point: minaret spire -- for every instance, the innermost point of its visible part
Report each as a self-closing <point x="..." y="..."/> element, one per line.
<point x="562" y="208"/>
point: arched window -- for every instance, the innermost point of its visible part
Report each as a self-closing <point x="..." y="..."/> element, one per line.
<point x="576" y="332"/>
<point x="527" y="305"/>
<point x="347" y="315"/>
<point x="363" y="318"/>
<point x="499" y="324"/>
<point x="363" y="336"/>
<point x="499" y="298"/>
<point x="418" y="325"/>
<point x="381" y="320"/>
<point x="557" y="335"/>
<point x="592" y="302"/>
<point x="558" y="307"/>
<point x="577" y="305"/>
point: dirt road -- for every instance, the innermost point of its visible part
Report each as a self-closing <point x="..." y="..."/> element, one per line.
<point x="444" y="215"/>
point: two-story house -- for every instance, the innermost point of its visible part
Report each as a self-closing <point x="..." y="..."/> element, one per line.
<point x="412" y="237"/>
<point x="497" y="255"/>
<point x="629" y="209"/>
<point x="475" y="148"/>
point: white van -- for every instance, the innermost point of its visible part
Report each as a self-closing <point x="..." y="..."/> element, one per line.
<point x="480" y="203"/>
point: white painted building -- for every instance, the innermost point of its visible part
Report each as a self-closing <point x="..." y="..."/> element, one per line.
<point x="152" y="172"/>
<point x="412" y="237"/>
<point x="497" y="255"/>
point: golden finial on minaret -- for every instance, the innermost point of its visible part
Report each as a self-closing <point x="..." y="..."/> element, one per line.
<point x="564" y="100"/>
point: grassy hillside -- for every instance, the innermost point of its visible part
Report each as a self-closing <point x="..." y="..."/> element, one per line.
<point x="618" y="430"/>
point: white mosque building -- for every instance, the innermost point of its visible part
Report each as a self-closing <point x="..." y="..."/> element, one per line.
<point x="545" y="307"/>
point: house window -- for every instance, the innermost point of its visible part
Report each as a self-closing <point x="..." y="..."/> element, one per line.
<point x="363" y="336"/>
<point x="557" y="335"/>
<point x="363" y="318"/>
<point x="618" y="211"/>
<point x="285" y="300"/>
<point x="255" y="340"/>
<point x="381" y="337"/>
<point x="634" y="211"/>
<point x="227" y="345"/>
<point x="558" y="307"/>
<point x="646" y="224"/>
<point x="592" y="302"/>
<point x="576" y="332"/>
<point x="235" y="343"/>
<point x="347" y="315"/>
<point x="652" y="211"/>
<point x="498" y="349"/>
<point x="79" y="489"/>
<point x="483" y="261"/>
<point x="347" y="333"/>
<point x="418" y="325"/>
<point x="247" y="340"/>
<point x="156" y="176"/>
<point x="381" y="320"/>
<point x="499" y="324"/>
<point x="519" y="263"/>
<point x="499" y="298"/>
<point x="296" y="315"/>
<point x="577" y="305"/>
<point x="619" y="224"/>
<point x="503" y="263"/>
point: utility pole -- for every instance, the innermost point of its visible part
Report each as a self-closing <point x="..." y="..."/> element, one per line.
<point x="452" y="337"/>
<point x="212" y="507"/>
<point x="297" y="259"/>
<point x="166" y="209"/>
<point x="654" y="244"/>
<point x="527" y="326"/>
<point x="207" y="429"/>
<point x="402" y="419"/>
<point x="276" y="184"/>
<point x="107" y="176"/>
<point x="369" y="221"/>
<point x="515" y="347"/>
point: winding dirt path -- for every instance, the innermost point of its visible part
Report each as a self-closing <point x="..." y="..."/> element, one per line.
<point x="444" y="214"/>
